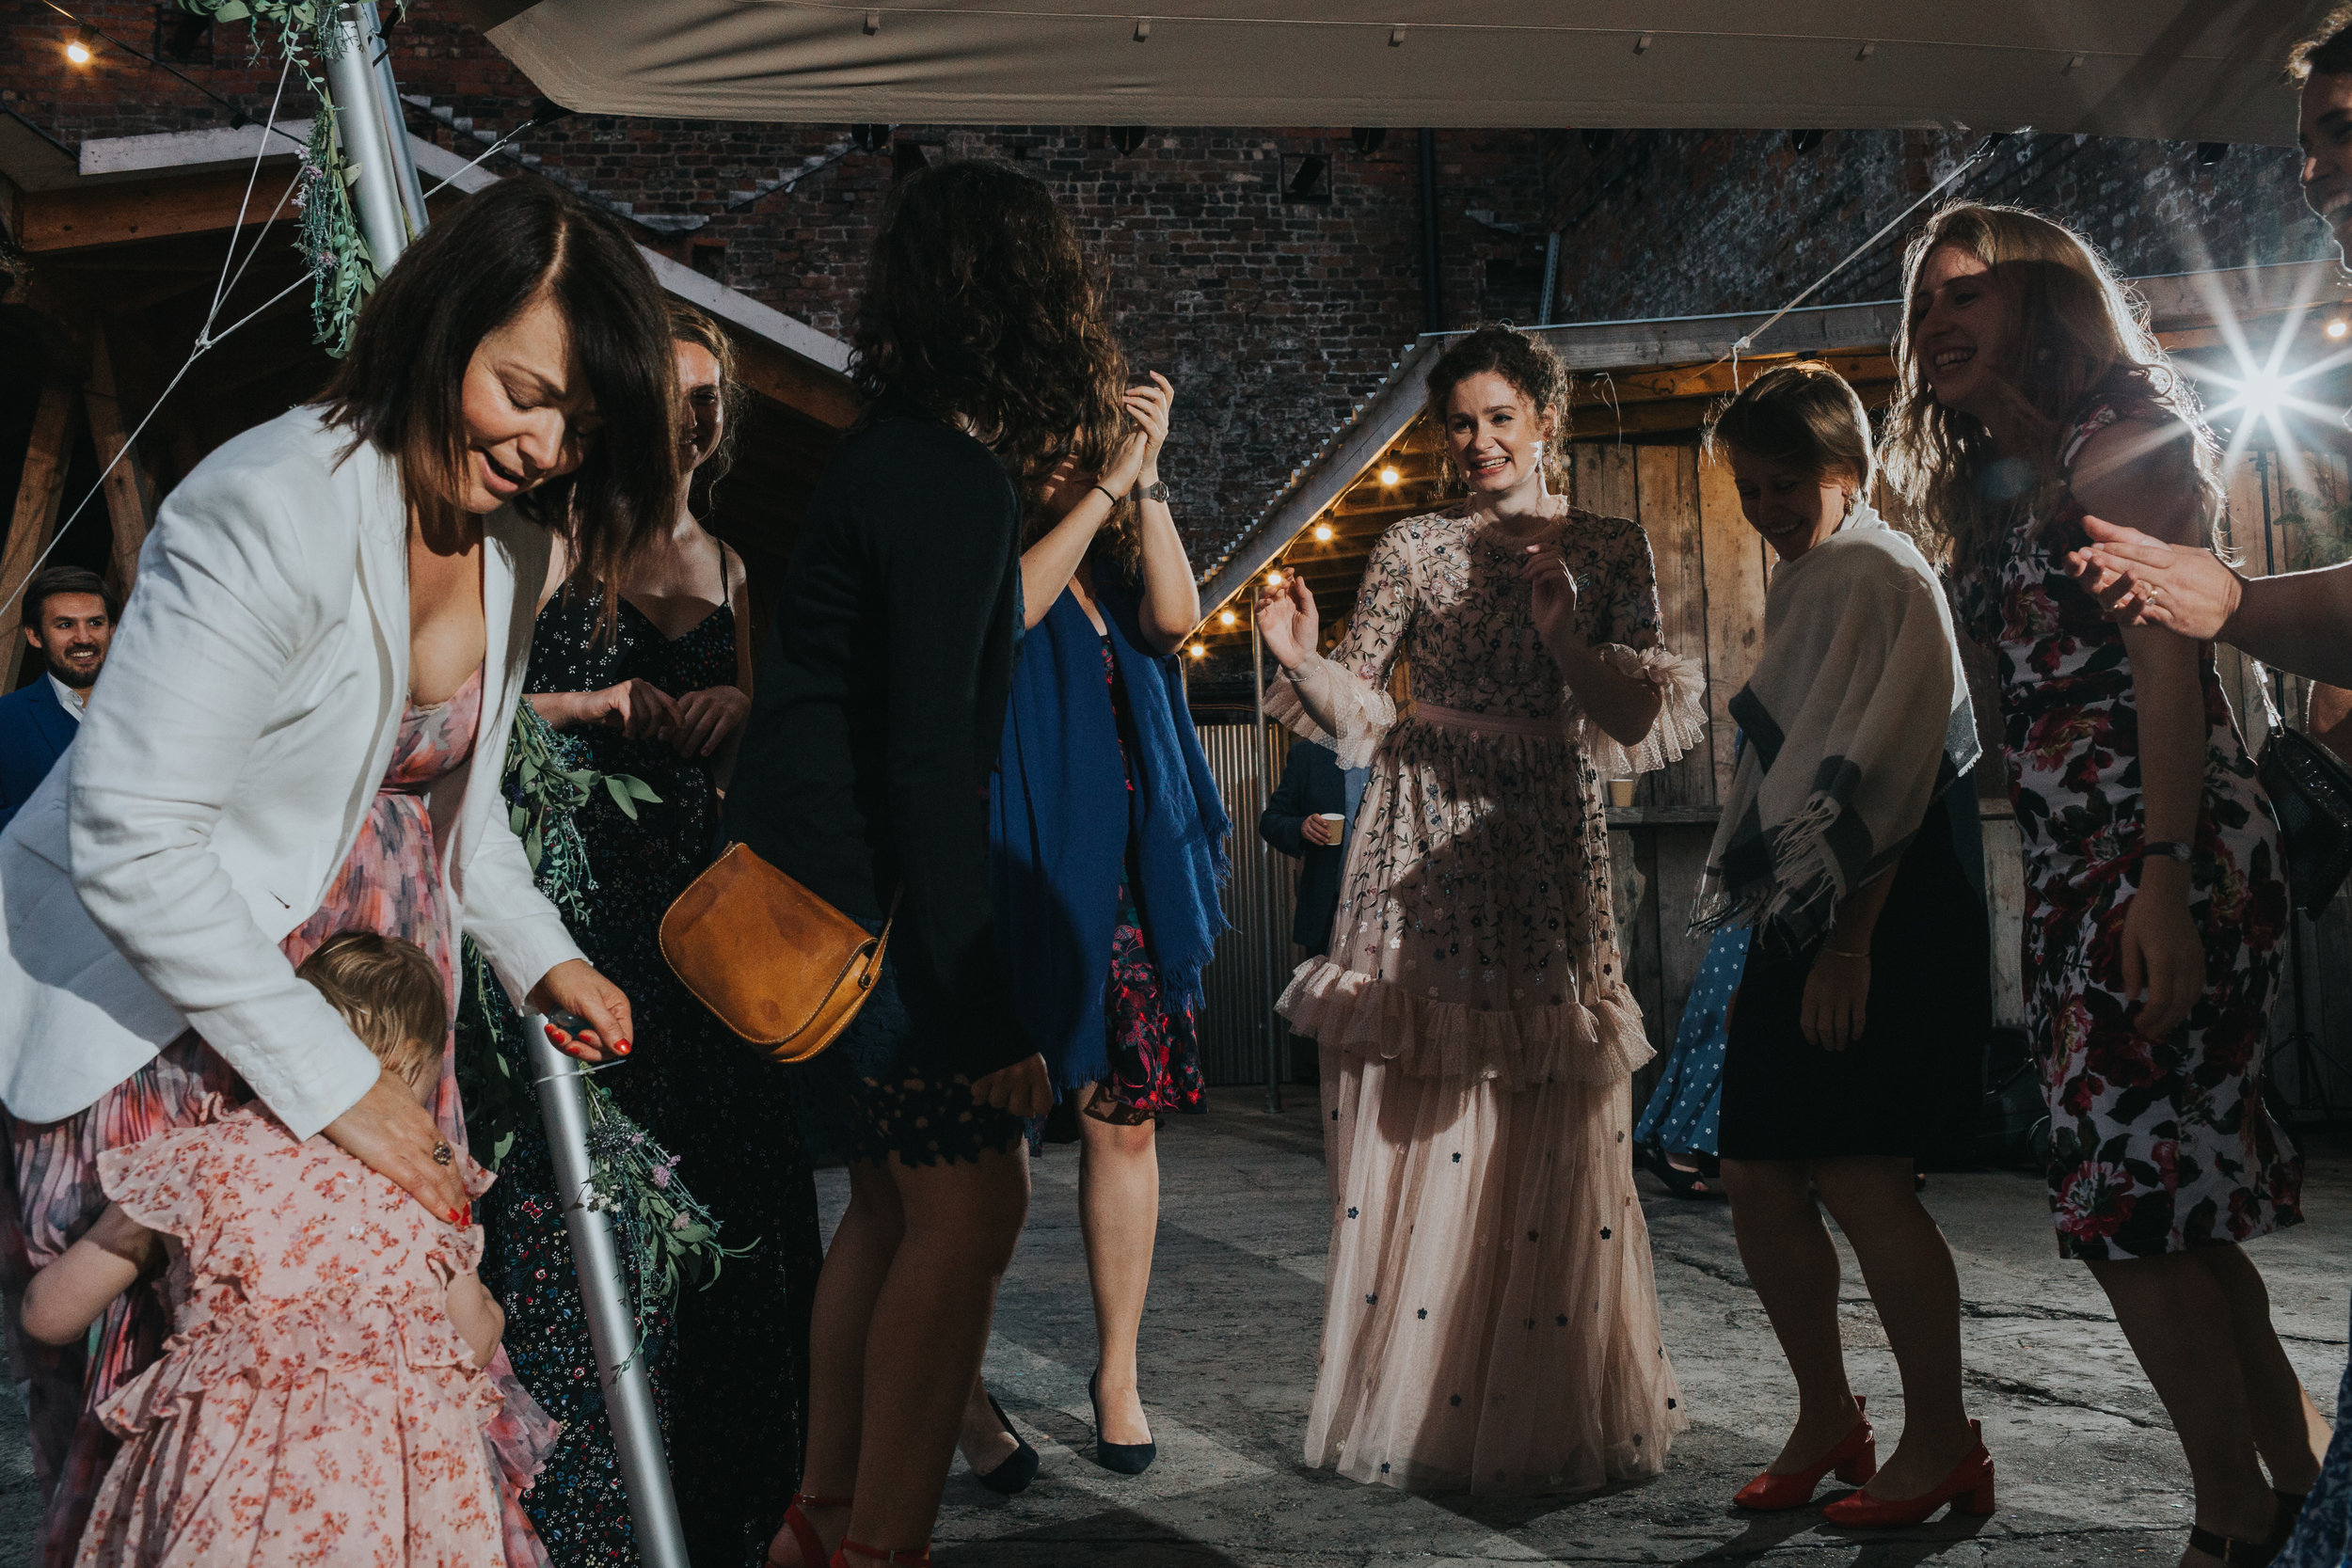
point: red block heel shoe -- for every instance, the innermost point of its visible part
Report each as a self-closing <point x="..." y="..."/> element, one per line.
<point x="803" y="1533"/>
<point x="1855" y="1458"/>
<point x="1968" y="1489"/>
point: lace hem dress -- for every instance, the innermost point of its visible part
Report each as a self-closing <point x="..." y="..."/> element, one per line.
<point x="1491" y="1316"/>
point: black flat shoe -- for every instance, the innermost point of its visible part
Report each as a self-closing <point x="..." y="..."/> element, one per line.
<point x="1019" y="1468"/>
<point x="1126" y="1459"/>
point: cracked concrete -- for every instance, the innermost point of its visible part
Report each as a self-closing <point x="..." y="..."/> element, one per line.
<point x="2088" y="1469"/>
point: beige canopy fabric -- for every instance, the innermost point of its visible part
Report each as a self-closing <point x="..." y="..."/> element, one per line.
<point x="2186" y="70"/>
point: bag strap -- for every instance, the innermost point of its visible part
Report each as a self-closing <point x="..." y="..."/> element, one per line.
<point x="2262" y="684"/>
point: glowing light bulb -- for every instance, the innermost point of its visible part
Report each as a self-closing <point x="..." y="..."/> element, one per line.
<point x="1322" y="534"/>
<point x="1274" y="580"/>
<point x="78" y="50"/>
<point x="2338" y="326"/>
<point x="1388" y="476"/>
<point x="1226" y="618"/>
<point x="1200" y="650"/>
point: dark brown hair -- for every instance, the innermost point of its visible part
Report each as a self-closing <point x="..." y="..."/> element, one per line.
<point x="2081" y="337"/>
<point x="469" y="274"/>
<point x="692" y="324"/>
<point x="390" y="993"/>
<point x="1801" y="416"/>
<point x="978" y="305"/>
<point x="2325" y="52"/>
<point x="50" y="581"/>
<point x="1521" y="359"/>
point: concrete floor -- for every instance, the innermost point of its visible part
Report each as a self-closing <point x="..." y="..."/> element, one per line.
<point x="2088" y="1469"/>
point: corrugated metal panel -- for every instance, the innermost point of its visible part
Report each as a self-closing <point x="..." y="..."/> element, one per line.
<point x="1254" y="959"/>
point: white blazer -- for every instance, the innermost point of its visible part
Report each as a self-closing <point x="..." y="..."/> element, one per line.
<point x="248" y="712"/>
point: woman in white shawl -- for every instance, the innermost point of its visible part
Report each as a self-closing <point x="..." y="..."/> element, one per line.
<point x="1865" y="997"/>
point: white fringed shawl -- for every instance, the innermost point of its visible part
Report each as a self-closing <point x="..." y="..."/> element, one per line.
<point x="1856" y="718"/>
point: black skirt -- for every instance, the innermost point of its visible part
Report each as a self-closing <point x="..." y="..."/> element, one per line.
<point x="1911" y="1086"/>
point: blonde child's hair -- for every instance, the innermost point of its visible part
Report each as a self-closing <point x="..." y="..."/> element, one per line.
<point x="390" y="993"/>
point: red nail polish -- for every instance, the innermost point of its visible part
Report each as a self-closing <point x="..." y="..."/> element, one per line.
<point x="620" y="1047"/>
<point x="454" y="1219"/>
<point x="469" y="1219"/>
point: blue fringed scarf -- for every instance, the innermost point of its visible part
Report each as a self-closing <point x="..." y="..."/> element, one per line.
<point x="1060" y="817"/>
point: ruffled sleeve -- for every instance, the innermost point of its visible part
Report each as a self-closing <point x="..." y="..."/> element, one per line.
<point x="1344" y="700"/>
<point x="161" y="1181"/>
<point x="1618" y="586"/>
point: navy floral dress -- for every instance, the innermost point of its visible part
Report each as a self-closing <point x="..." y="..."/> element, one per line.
<point x="2155" y="1146"/>
<point x="730" y="1370"/>
<point x="1155" y="1048"/>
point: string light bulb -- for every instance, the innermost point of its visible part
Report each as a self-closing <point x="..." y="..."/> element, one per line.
<point x="1390" y="477"/>
<point x="82" y="46"/>
<point x="2338" y="326"/>
<point x="1226" y="618"/>
<point x="1274" y="578"/>
<point x="1322" y="534"/>
<point x="1200" y="650"/>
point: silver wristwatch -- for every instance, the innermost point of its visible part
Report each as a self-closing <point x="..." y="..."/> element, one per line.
<point x="1155" y="491"/>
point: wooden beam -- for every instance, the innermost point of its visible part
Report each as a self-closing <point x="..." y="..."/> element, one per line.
<point x="130" y="494"/>
<point x="142" y="210"/>
<point x="786" y="378"/>
<point x="36" y="516"/>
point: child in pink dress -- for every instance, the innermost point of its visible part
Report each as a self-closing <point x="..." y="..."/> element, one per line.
<point x="322" y="1398"/>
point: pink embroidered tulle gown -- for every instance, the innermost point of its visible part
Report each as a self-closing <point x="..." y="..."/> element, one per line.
<point x="1491" y="1319"/>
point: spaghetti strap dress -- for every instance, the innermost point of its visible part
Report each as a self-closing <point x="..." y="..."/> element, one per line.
<point x="390" y="883"/>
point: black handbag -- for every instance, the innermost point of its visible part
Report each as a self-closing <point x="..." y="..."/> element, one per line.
<point x="2312" y="795"/>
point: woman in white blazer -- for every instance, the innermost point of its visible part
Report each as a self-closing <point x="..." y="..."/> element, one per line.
<point x="309" y="583"/>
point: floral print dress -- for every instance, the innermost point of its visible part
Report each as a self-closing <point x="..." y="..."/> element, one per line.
<point x="1491" y="1315"/>
<point x="316" y="1404"/>
<point x="2155" y="1146"/>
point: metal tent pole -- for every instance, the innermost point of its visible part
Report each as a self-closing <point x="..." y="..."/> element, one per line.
<point x="611" y="1325"/>
<point x="356" y="83"/>
<point x="1268" y="937"/>
<point x="395" y="123"/>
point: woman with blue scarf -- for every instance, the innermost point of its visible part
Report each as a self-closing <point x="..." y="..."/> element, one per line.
<point x="1107" y="855"/>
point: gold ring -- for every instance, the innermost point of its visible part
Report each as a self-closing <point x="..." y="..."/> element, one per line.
<point x="443" y="1154"/>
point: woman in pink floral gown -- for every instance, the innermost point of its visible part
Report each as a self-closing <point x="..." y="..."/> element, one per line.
<point x="1491" y="1319"/>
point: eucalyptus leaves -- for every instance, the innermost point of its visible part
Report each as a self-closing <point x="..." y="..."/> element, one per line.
<point x="343" y="273"/>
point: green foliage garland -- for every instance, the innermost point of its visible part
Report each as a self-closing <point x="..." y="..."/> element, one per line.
<point x="342" y="273"/>
<point x="666" y="1234"/>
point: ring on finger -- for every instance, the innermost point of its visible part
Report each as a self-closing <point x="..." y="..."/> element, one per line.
<point x="443" y="1154"/>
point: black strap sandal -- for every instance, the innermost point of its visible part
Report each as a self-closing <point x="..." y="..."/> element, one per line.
<point x="2230" y="1551"/>
<point x="1680" y="1183"/>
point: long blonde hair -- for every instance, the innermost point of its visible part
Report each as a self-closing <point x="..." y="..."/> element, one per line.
<point x="2081" y="337"/>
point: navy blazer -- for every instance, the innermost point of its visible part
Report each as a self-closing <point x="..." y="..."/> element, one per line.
<point x="35" y="730"/>
<point x="1311" y="783"/>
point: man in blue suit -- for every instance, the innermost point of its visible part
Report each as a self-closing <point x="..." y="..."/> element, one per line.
<point x="68" y="620"/>
<point x="1296" y="821"/>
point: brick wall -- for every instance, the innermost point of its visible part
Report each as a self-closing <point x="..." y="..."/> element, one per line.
<point x="1664" y="223"/>
<point x="1272" y="315"/>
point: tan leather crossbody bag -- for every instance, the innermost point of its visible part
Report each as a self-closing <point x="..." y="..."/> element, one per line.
<point x="779" y="965"/>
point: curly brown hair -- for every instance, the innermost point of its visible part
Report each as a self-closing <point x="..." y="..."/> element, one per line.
<point x="1524" y="360"/>
<point x="979" y="306"/>
<point x="2081" y="337"/>
<point x="2326" y="51"/>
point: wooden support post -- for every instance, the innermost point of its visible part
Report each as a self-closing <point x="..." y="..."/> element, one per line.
<point x="36" y="516"/>
<point x="130" y="494"/>
<point x="1732" y="568"/>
